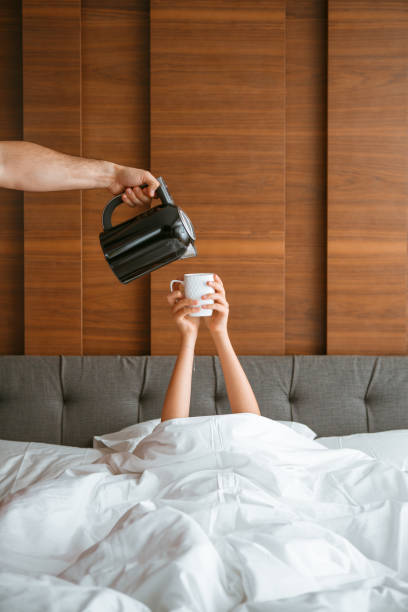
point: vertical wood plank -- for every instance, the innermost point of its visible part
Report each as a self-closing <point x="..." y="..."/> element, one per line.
<point x="52" y="234"/>
<point x="306" y="59"/>
<point x="217" y="136"/>
<point x="115" y="122"/>
<point x="11" y="202"/>
<point x="367" y="176"/>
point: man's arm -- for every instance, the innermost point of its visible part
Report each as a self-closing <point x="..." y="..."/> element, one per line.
<point x="31" y="167"/>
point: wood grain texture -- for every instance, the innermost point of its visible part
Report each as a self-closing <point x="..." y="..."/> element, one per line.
<point x="115" y="126"/>
<point x="52" y="221"/>
<point x="305" y="237"/>
<point x="11" y="202"/>
<point x="217" y="136"/>
<point x="367" y="177"/>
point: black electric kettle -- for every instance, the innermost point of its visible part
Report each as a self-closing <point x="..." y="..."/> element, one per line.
<point x="150" y="240"/>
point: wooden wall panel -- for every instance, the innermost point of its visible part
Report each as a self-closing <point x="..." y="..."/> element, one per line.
<point x="115" y="126"/>
<point x="305" y="237"/>
<point x="367" y="177"/>
<point x="11" y="202"/>
<point x="238" y="124"/>
<point x="52" y="221"/>
<point x="217" y="136"/>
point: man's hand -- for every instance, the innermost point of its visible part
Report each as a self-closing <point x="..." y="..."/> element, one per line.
<point x="128" y="181"/>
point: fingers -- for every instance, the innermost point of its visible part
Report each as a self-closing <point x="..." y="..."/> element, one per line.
<point x="152" y="184"/>
<point x="185" y="304"/>
<point x="180" y="312"/>
<point x="174" y="296"/>
<point x="216" y="306"/>
<point x="135" y="197"/>
<point x="184" y="312"/>
<point x="217" y="297"/>
<point x="217" y="285"/>
<point x="129" y="180"/>
<point x="220" y="302"/>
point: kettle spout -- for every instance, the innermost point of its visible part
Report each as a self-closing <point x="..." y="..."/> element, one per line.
<point x="191" y="251"/>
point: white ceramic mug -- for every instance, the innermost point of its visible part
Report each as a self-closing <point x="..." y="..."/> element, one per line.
<point x="195" y="285"/>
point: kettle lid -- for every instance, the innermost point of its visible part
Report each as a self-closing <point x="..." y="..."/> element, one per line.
<point x="188" y="226"/>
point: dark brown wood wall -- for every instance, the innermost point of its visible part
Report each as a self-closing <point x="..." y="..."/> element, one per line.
<point x="218" y="130"/>
<point x="367" y="177"/>
<point x="305" y="232"/>
<point x="52" y="221"/>
<point x="253" y="111"/>
<point x="115" y="126"/>
<point x="11" y="202"/>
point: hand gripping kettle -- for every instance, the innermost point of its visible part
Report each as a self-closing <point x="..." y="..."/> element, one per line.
<point x="150" y="240"/>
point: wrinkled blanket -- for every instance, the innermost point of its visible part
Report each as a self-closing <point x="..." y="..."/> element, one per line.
<point x="233" y="512"/>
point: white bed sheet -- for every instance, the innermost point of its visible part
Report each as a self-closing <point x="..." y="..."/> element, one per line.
<point x="25" y="463"/>
<point x="388" y="446"/>
<point x="128" y="438"/>
<point x="233" y="512"/>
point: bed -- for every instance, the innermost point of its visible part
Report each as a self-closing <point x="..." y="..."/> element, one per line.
<point x="105" y="508"/>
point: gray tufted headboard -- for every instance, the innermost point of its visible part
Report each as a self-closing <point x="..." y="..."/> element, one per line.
<point x="68" y="400"/>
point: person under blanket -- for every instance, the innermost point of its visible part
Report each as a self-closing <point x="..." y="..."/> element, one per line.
<point x="216" y="513"/>
<point x="240" y="393"/>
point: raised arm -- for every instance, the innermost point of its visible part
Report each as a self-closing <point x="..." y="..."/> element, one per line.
<point x="177" y="400"/>
<point x="240" y="394"/>
<point x="31" y="167"/>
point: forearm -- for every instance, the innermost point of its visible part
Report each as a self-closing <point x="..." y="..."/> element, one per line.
<point x="177" y="400"/>
<point x="31" y="167"/>
<point x="240" y="394"/>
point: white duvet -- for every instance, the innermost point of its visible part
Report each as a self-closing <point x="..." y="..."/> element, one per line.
<point x="234" y="512"/>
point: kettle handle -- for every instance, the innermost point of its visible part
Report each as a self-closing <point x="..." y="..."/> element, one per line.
<point x="161" y="192"/>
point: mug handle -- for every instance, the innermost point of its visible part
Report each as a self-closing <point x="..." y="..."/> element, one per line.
<point x="175" y="281"/>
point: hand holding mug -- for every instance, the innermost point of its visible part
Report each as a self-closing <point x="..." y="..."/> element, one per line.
<point x="217" y="323"/>
<point x="194" y="286"/>
<point x="204" y="296"/>
<point x="181" y="308"/>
